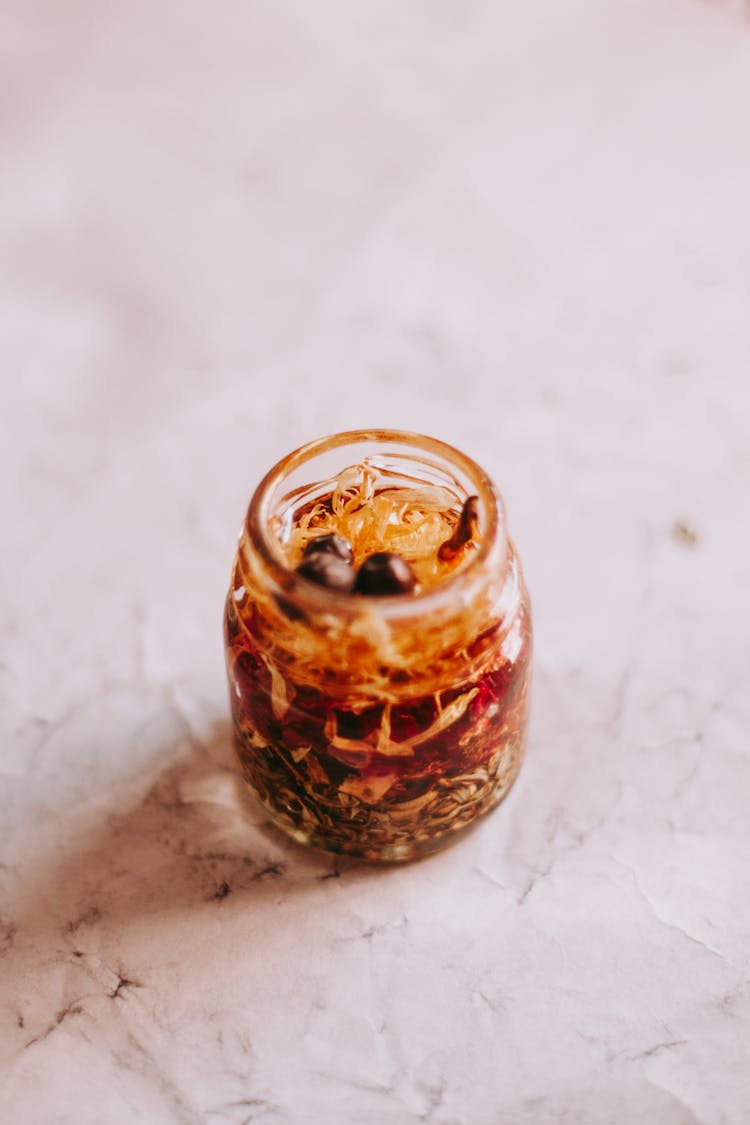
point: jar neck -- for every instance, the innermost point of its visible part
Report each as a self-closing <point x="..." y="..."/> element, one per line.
<point x="412" y="459"/>
<point x="290" y="614"/>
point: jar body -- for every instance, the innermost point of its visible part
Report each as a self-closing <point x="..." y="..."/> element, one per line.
<point x="372" y="729"/>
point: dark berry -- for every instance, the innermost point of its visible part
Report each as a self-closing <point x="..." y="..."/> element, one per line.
<point x="328" y="570"/>
<point x="332" y="544"/>
<point x="385" y="573"/>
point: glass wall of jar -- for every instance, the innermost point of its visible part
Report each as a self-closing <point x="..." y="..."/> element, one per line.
<point x="378" y="726"/>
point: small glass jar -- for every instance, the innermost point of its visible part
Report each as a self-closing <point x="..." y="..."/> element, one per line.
<point x="377" y="726"/>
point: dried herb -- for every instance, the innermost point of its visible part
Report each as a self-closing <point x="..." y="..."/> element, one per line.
<point x="466" y="532"/>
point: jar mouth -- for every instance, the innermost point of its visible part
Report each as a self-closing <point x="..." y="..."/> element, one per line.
<point x="431" y="453"/>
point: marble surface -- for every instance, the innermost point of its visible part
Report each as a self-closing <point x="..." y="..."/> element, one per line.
<point x="226" y="229"/>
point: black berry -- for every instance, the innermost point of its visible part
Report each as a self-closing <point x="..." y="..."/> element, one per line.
<point x="328" y="570"/>
<point x="385" y="573"/>
<point x="332" y="544"/>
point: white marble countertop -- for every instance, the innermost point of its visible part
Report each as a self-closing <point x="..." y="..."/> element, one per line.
<point x="228" y="229"/>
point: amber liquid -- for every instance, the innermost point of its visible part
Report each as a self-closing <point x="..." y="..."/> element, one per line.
<point x="381" y="762"/>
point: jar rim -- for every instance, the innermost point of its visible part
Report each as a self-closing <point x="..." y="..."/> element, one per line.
<point x="460" y="584"/>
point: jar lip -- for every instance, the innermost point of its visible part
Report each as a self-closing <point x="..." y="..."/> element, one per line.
<point x="460" y="584"/>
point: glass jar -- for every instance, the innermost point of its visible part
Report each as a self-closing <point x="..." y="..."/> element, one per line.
<point x="378" y="726"/>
